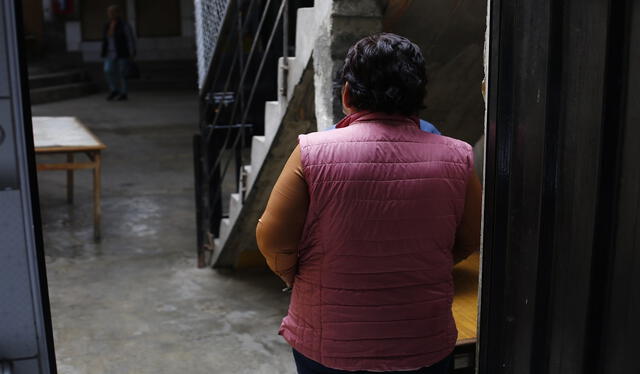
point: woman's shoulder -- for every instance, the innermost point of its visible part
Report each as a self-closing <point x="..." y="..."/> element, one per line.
<point x="452" y="142"/>
<point x="326" y="136"/>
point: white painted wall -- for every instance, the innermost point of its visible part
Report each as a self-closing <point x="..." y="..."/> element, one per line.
<point x="73" y="33"/>
<point x="323" y="66"/>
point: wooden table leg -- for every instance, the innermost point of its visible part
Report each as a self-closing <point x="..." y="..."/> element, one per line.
<point x="70" y="179"/>
<point x="97" y="189"/>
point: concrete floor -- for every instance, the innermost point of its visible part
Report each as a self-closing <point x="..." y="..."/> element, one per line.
<point x="135" y="303"/>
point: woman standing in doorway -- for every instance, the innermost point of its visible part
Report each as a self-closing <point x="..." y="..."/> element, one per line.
<point x="366" y="222"/>
<point x="118" y="48"/>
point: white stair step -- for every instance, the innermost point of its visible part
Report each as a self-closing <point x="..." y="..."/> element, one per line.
<point x="248" y="170"/>
<point x="217" y="245"/>
<point x="295" y="70"/>
<point x="306" y="32"/>
<point x="225" y="230"/>
<point x="283" y="100"/>
<point x="272" y="119"/>
<point x="235" y="206"/>
<point x="259" y="148"/>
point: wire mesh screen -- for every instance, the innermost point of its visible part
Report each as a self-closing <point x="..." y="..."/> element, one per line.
<point x="209" y="19"/>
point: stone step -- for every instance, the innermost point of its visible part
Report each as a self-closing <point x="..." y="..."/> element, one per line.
<point x="247" y="169"/>
<point x="291" y="71"/>
<point x="37" y="70"/>
<point x="61" y="92"/>
<point x="225" y="230"/>
<point x="272" y="119"/>
<point x="57" y="79"/>
<point x="259" y="149"/>
<point x="56" y="60"/>
<point x="217" y="245"/>
<point x="306" y="32"/>
<point x="235" y="206"/>
<point x="250" y="177"/>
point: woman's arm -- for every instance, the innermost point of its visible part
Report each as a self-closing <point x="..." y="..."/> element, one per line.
<point x="468" y="233"/>
<point x="280" y="228"/>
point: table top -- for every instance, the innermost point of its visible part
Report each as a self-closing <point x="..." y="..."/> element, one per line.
<point x="63" y="134"/>
<point x="465" y="301"/>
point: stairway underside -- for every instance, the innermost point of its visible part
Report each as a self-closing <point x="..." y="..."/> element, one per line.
<point x="240" y="247"/>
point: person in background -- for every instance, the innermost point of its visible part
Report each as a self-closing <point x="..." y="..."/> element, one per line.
<point x="118" y="47"/>
<point x="429" y="127"/>
<point x="366" y="222"/>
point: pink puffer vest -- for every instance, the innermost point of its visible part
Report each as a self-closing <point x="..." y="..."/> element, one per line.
<point x="374" y="286"/>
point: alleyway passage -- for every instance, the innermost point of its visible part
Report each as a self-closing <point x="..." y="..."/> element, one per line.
<point x="135" y="303"/>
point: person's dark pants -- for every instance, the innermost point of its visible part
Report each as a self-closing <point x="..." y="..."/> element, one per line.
<point x="115" y="70"/>
<point x="308" y="366"/>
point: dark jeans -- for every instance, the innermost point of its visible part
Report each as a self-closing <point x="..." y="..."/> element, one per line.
<point x="308" y="366"/>
<point x="115" y="70"/>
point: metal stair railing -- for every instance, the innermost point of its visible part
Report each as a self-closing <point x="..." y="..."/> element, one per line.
<point x="226" y="110"/>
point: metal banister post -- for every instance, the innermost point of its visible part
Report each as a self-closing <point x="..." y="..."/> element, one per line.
<point x="285" y="48"/>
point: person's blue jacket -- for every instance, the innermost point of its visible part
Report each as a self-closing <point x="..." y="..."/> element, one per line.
<point x="428" y="127"/>
<point x="424" y="126"/>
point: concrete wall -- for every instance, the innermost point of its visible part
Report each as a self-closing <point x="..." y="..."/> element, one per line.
<point x="451" y="35"/>
<point x="344" y="22"/>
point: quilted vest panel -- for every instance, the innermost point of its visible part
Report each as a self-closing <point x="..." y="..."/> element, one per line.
<point x="374" y="286"/>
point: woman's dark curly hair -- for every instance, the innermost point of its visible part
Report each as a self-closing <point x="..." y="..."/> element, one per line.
<point x="386" y="73"/>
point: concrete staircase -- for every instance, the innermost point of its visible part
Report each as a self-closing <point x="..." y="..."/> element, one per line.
<point x="55" y="86"/>
<point x="275" y="111"/>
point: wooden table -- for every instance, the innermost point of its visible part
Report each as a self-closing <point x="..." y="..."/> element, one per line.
<point x="66" y="135"/>
<point x="465" y="301"/>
